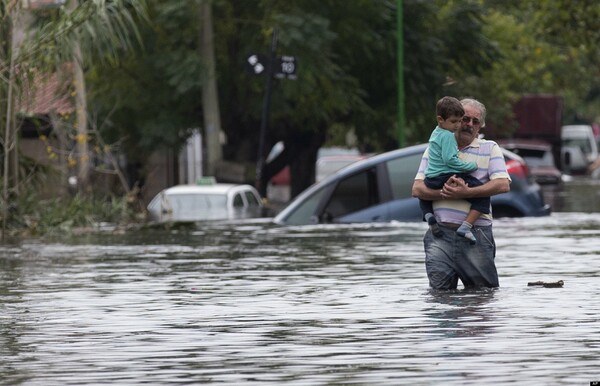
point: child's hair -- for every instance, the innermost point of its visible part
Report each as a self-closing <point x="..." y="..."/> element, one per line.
<point x="449" y="107"/>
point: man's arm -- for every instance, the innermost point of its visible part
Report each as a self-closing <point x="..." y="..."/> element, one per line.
<point x="456" y="188"/>
<point x="420" y="190"/>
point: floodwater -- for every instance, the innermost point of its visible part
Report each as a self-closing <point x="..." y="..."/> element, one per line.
<point x="257" y="304"/>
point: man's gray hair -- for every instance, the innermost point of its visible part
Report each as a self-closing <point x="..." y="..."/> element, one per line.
<point x="478" y="105"/>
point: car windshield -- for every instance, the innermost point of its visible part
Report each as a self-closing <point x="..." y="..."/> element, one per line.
<point x="582" y="143"/>
<point x="183" y="204"/>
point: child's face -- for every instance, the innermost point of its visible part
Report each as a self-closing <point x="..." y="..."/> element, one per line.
<point x="452" y="123"/>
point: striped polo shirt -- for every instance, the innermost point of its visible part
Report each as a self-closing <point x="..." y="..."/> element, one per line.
<point x="490" y="165"/>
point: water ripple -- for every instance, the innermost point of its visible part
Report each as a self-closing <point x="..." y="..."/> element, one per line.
<point x="258" y="304"/>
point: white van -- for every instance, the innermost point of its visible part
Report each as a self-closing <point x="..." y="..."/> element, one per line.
<point x="579" y="148"/>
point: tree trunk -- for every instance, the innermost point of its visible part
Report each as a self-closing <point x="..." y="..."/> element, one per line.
<point x="82" y="140"/>
<point x="210" y="101"/>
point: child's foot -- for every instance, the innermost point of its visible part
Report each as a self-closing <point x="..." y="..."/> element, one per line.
<point x="465" y="231"/>
<point x="433" y="225"/>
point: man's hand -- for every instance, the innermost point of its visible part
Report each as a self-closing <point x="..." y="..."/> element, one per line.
<point x="455" y="188"/>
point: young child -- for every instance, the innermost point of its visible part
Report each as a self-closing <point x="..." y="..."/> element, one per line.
<point x="444" y="162"/>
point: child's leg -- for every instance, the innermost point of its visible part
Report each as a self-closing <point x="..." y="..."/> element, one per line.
<point x="433" y="225"/>
<point x="427" y="209"/>
<point x="473" y="216"/>
<point x="465" y="228"/>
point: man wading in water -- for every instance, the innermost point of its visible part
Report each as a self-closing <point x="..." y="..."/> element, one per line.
<point x="450" y="257"/>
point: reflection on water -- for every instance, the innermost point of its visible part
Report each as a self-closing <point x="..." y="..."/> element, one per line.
<point x="578" y="194"/>
<point x="318" y="305"/>
<point x="463" y="313"/>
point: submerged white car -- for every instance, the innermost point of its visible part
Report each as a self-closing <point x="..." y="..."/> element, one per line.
<point x="189" y="203"/>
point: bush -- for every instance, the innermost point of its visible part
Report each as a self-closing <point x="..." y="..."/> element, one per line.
<point x="35" y="216"/>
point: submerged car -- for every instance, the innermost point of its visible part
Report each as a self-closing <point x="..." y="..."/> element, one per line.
<point x="215" y="201"/>
<point x="539" y="157"/>
<point x="378" y="189"/>
<point x="579" y="148"/>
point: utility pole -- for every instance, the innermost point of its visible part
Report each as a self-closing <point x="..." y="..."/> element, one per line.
<point x="400" y="38"/>
<point x="260" y="162"/>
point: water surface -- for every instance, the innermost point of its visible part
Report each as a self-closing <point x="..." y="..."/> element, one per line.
<point x="257" y="304"/>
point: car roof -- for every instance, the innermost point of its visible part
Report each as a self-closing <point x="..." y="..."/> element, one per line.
<point x="522" y="143"/>
<point x="376" y="159"/>
<point x="383" y="157"/>
<point x="220" y="188"/>
<point x="342" y="157"/>
<point x="393" y="154"/>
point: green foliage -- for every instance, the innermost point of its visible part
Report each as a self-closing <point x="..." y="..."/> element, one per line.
<point x="101" y="29"/>
<point x="492" y="50"/>
<point x="38" y="216"/>
<point x="444" y="47"/>
<point x="152" y="95"/>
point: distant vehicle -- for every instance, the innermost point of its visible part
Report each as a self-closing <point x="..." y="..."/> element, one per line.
<point x="379" y="188"/>
<point x="579" y="148"/>
<point x="539" y="157"/>
<point x="215" y="201"/>
<point x="327" y="165"/>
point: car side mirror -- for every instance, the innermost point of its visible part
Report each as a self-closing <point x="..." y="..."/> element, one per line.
<point x="567" y="158"/>
<point x="326" y="218"/>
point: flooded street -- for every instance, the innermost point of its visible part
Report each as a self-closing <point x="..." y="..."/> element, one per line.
<point x="257" y="304"/>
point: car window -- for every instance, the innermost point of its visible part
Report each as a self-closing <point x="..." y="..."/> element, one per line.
<point x="402" y="172"/>
<point x="251" y="199"/>
<point x="352" y="194"/>
<point x="238" y="201"/>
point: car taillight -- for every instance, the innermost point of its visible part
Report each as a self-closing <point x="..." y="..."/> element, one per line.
<point x="517" y="168"/>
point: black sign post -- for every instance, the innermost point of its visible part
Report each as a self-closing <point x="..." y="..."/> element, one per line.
<point x="260" y="160"/>
<point x="283" y="67"/>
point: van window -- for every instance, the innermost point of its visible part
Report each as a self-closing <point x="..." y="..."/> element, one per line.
<point x="251" y="198"/>
<point x="238" y="201"/>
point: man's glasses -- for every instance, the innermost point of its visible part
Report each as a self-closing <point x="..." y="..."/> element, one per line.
<point x="466" y="119"/>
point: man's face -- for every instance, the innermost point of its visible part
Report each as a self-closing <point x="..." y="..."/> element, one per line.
<point x="471" y="123"/>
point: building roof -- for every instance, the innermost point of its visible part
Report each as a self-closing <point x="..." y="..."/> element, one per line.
<point x="49" y="93"/>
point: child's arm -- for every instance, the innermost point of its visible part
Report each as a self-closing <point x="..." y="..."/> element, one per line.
<point x="450" y="157"/>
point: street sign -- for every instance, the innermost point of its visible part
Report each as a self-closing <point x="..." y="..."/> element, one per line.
<point x="256" y="64"/>
<point x="285" y="67"/>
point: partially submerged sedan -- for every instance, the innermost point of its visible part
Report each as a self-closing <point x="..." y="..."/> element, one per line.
<point x="378" y="189"/>
<point x="190" y="203"/>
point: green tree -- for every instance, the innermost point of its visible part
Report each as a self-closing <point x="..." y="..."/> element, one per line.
<point x="51" y="38"/>
<point x="346" y="75"/>
<point x="546" y="47"/>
